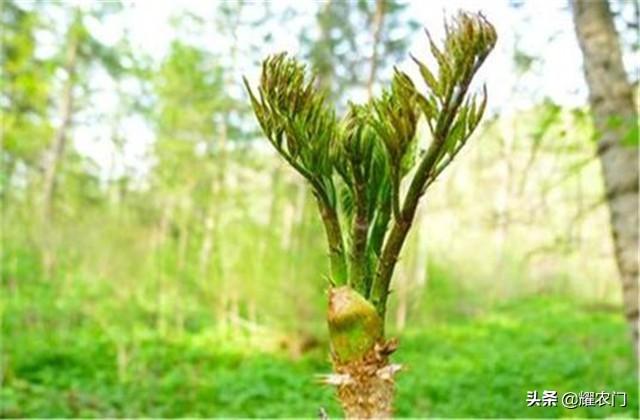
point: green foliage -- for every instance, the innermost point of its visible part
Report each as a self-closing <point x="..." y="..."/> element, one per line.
<point x="451" y="113"/>
<point x="25" y="87"/>
<point x="296" y="121"/>
<point x="183" y="268"/>
<point x="188" y="115"/>
<point x="70" y="368"/>
<point x="395" y="117"/>
<point x="303" y="129"/>
<point x="534" y="344"/>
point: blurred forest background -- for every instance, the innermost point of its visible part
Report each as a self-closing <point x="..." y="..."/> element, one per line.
<point x="158" y="259"/>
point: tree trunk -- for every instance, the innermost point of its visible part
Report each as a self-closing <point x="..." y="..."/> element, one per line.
<point x="211" y="248"/>
<point x="59" y="142"/>
<point x="325" y="75"/>
<point x="378" y="19"/>
<point x="209" y="227"/>
<point x="614" y="114"/>
<point x="52" y="164"/>
<point x="184" y="231"/>
<point x="212" y="220"/>
<point x="158" y="242"/>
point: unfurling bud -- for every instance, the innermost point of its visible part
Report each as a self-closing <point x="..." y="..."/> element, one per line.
<point x="354" y="325"/>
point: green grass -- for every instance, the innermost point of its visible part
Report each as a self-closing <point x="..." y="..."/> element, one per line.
<point x="468" y="367"/>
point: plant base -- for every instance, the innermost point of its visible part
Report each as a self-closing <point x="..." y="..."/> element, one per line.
<point x="366" y="386"/>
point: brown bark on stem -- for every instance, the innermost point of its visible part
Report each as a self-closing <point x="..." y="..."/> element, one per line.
<point x="366" y="387"/>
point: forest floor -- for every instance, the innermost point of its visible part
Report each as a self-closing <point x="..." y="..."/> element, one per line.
<point x="470" y="367"/>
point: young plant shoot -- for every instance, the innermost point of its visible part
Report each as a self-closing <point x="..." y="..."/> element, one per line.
<point x="368" y="177"/>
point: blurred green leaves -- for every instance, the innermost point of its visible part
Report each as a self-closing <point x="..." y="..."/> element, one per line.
<point x="25" y="86"/>
<point x="568" y="347"/>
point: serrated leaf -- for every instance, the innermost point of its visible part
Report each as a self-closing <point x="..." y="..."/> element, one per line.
<point x="443" y="64"/>
<point x="428" y="76"/>
<point x="455" y="136"/>
<point x="426" y="108"/>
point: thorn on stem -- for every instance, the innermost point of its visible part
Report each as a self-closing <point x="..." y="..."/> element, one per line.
<point x="386" y="373"/>
<point x="335" y="379"/>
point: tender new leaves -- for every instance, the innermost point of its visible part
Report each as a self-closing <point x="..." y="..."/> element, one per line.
<point x="395" y="118"/>
<point x="296" y="120"/>
<point x="354" y="145"/>
<point x="361" y="159"/>
<point x="358" y="153"/>
<point x="373" y="148"/>
<point x="469" y="39"/>
<point x="451" y="113"/>
<point x="452" y="116"/>
<point x="294" y="117"/>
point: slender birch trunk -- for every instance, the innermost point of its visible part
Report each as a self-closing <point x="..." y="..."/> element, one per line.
<point x="52" y="164"/>
<point x="60" y="139"/>
<point x="614" y="115"/>
<point x="378" y="21"/>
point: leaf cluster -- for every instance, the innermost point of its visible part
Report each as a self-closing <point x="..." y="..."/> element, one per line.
<point x="364" y="157"/>
<point x="450" y="112"/>
<point x="294" y="117"/>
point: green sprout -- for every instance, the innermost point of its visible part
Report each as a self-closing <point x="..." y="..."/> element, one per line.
<point x="365" y="171"/>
